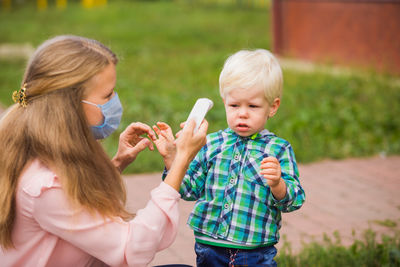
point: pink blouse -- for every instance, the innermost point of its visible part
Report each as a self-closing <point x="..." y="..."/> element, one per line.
<point x="49" y="232"/>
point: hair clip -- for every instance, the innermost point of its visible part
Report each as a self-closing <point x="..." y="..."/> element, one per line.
<point x="20" y="96"/>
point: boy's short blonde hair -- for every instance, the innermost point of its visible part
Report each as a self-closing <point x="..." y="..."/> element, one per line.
<point x="248" y="69"/>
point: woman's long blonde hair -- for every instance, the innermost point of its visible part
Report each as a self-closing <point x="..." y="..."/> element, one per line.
<point x="53" y="128"/>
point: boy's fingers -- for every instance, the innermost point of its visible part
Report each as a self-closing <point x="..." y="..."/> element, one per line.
<point x="178" y="133"/>
<point x="268" y="165"/>
<point x="169" y="133"/>
<point x="167" y="136"/>
<point x="156" y="129"/>
<point x="163" y="125"/>
<point x="269" y="171"/>
<point x="269" y="159"/>
<point x="151" y="146"/>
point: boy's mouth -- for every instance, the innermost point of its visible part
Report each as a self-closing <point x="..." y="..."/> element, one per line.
<point x="242" y="127"/>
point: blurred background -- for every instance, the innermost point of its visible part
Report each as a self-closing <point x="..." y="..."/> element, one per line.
<point x="341" y="100"/>
<point x="172" y="51"/>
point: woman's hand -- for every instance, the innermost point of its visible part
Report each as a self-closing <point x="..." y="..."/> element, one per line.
<point x="188" y="142"/>
<point x="131" y="143"/>
<point x="187" y="145"/>
<point x="165" y="143"/>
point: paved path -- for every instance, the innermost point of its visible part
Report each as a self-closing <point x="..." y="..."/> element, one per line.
<point x="345" y="195"/>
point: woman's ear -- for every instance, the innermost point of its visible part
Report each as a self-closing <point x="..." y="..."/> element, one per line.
<point x="274" y="107"/>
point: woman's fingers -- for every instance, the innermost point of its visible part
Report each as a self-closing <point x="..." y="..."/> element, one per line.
<point x="142" y="144"/>
<point x="190" y="126"/>
<point x="139" y="128"/>
<point x="203" y="127"/>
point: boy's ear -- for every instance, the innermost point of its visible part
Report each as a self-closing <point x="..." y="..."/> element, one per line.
<point x="274" y="107"/>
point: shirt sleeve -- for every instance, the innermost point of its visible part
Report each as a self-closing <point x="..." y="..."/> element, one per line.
<point x="193" y="183"/>
<point x="295" y="195"/>
<point x="113" y="241"/>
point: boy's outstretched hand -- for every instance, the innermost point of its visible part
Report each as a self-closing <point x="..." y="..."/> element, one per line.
<point x="271" y="170"/>
<point x="165" y="142"/>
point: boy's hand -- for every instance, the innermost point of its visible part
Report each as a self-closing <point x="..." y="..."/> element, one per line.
<point x="271" y="170"/>
<point x="165" y="142"/>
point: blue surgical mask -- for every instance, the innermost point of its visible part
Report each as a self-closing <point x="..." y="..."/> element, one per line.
<point x="112" y="112"/>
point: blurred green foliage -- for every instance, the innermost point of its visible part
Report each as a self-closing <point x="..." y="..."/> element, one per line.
<point x="368" y="252"/>
<point x="171" y="53"/>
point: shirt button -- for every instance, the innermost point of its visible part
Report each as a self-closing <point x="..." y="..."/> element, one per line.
<point x="226" y="206"/>
<point x="232" y="180"/>
<point x="237" y="156"/>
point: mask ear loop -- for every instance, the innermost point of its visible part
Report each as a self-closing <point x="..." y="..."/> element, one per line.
<point x="90" y="103"/>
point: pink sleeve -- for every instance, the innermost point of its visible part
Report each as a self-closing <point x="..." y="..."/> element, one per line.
<point x="114" y="242"/>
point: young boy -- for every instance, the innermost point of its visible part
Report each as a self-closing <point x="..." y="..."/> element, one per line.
<point x="245" y="176"/>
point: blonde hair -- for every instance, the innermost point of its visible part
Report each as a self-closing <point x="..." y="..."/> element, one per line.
<point x="53" y="128"/>
<point x="248" y="69"/>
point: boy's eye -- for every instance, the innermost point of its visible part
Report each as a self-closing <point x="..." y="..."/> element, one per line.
<point x="234" y="105"/>
<point x="253" y="106"/>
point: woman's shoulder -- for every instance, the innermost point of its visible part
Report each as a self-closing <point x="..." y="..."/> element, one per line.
<point x="36" y="178"/>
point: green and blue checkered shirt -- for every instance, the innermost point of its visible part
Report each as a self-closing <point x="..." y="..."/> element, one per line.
<point x="234" y="205"/>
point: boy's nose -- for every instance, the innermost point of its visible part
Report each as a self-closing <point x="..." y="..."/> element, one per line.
<point x="243" y="112"/>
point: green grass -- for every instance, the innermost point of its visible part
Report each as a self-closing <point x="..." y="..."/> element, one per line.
<point x="368" y="252"/>
<point x="171" y="53"/>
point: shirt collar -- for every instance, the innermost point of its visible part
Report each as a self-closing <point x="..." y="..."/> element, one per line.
<point x="259" y="135"/>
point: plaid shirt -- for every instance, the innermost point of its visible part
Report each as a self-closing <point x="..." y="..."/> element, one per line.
<point x="235" y="207"/>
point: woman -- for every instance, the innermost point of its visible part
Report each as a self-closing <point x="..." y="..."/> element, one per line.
<point x="62" y="199"/>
